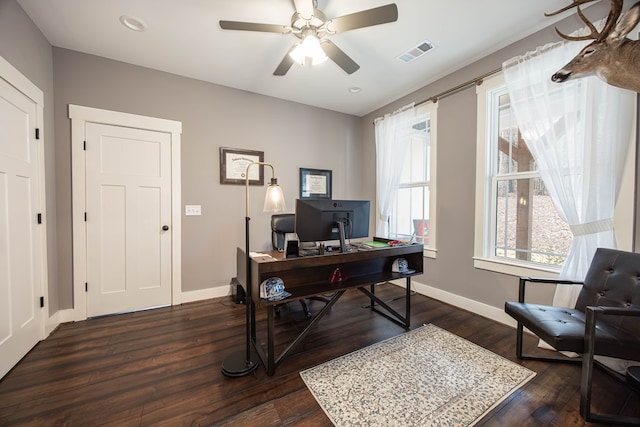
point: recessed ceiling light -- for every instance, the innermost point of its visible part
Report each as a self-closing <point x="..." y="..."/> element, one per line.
<point x="132" y="23"/>
<point x="354" y="89"/>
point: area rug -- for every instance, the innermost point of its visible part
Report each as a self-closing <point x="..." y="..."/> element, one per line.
<point x="425" y="377"/>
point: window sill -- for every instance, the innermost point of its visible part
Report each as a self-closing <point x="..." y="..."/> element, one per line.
<point x="513" y="269"/>
<point x="430" y="253"/>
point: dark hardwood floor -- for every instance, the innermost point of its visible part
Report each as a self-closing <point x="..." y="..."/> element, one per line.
<point x="162" y="367"/>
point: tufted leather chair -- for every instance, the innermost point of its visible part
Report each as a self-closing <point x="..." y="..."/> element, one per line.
<point x="605" y="320"/>
<point x="281" y="224"/>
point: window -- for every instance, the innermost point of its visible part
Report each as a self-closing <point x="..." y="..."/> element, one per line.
<point x="517" y="228"/>
<point x="413" y="213"/>
<point x="519" y="223"/>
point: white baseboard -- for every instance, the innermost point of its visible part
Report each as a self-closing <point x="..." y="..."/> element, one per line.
<point x="70" y="315"/>
<point x="51" y="323"/>
<point x="208" y="293"/>
<point x="484" y="310"/>
<point x="67" y="315"/>
<point x="60" y="316"/>
<point x="464" y="303"/>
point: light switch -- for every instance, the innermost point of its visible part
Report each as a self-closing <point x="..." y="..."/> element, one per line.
<point x="192" y="210"/>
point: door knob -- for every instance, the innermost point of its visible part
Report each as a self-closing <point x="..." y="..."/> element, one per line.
<point x="165" y="227"/>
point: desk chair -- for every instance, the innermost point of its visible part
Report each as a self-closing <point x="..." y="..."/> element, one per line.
<point x="281" y="224"/>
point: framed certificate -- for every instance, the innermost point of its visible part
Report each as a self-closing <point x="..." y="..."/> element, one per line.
<point x="233" y="166"/>
<point x="315" y="184"/>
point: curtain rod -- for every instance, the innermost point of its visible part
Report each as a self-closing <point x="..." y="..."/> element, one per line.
<point x="478" y="80"/>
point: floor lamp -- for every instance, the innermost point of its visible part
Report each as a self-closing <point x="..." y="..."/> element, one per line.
<point x="246" y="361"/>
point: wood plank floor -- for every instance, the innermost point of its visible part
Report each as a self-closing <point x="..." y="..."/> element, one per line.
<point x="162" y="368"/>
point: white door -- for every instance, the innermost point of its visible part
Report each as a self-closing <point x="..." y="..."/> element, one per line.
<point x="128" y="219"/>
<point x="21" y="283"/>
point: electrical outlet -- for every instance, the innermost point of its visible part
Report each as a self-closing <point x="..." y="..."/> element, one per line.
<point x="192" y="210"/>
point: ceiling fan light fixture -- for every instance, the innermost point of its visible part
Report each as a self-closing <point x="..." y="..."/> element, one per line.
<point x="312" y="27"/>
<point x="309" y="51"/>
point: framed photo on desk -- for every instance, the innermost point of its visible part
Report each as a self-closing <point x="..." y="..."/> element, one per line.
<point x="315" y="184"/>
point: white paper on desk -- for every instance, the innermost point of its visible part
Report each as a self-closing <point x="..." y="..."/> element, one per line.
<point x="261" y="256"/>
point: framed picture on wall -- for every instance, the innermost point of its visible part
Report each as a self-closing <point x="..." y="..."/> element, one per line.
<point x="233" y="166"/>
<point x="315" y="184"/>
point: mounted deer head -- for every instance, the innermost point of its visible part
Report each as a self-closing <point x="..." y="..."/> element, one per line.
<point x="611" y="56"/>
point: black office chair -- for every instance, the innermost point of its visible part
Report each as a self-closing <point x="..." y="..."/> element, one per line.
<point x="281" y="224"/>
<point x="605" y="321"/>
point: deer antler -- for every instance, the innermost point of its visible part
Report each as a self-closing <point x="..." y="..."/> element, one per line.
<point x="614" y="14"/>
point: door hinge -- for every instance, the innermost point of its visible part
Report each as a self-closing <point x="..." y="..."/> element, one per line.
<point x="39" y="218"/>
<point x="37" y="133"/>
<point x="85" y="217"/>
<point x="41" y="302"/>
<point x="86" y="287"/>
<point x="84" y="146"/>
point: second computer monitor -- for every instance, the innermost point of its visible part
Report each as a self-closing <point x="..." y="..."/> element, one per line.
<point x="321" y="220"/>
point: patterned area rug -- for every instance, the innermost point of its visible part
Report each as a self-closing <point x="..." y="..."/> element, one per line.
<point x="425" y="377"/>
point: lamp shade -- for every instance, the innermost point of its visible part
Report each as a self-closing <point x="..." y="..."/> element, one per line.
<point x="274" y="198"/>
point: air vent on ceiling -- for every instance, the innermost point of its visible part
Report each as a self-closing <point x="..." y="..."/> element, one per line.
<point x="416" y="52"/>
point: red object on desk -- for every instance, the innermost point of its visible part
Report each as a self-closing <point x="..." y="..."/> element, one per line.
<point x="338" y="275"/>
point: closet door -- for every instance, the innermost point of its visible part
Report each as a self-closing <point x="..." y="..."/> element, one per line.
<point x="21" y="232"/>
<point x="128" y="204"/>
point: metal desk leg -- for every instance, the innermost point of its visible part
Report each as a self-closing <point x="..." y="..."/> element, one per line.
<point x="408" y="304"/>
<point x="271" y="366"/>
<point x="371" y="301"/>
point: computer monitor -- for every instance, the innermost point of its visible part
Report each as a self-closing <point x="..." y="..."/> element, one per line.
<point x="320" y="220"/>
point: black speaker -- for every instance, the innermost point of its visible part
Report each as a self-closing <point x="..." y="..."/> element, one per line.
<point x="291" y="250"/>
<point x="238" y="291"/>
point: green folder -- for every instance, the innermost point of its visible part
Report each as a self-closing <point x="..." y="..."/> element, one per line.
<point x="376" y="244"/>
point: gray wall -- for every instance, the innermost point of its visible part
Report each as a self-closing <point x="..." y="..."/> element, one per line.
<point x="453" y="270"/>
<point x="291" y="136"/>
<point x="23" y="46"/>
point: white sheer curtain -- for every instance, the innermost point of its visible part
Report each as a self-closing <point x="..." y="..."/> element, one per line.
<point x="392" y="134"/>
<point x="578" y="132"/>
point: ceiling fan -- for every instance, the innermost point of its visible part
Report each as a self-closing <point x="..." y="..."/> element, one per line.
<point x="312" y="26"/>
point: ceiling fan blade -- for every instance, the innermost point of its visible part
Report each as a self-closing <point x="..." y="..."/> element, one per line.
<point x="252" y="26"/>
<point x="304" y="8"/>
<point x="365" y="18"/>
<point x="339" y="57"/>
<point x="285" y="64"/>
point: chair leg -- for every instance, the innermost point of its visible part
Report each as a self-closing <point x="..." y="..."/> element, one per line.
<point x="587" y="379"/>
<point x="519" y="332"/>
<point x="522" y="356"/>
<point x="633" y="378"/>
<point x="306" y="310"/>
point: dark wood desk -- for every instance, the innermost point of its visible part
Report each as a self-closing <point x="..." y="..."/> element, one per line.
<point x="308" y="276"/>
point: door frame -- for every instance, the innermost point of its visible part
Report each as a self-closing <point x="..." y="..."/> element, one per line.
<point x="80" y="116"/>
<point x="22" y="84"/>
